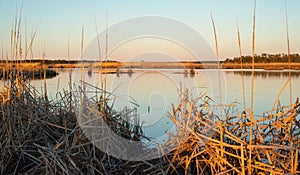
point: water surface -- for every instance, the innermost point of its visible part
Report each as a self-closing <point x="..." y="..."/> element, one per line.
<point x="152" y="91"/>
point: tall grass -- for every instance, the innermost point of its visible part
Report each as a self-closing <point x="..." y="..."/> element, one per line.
<point x="219" y="66"/>
<point x="252" y="88"/>
<point x="220" y="90"/>
<point x="198" y="140"/>
<point x="289" y="53"/>
<point x="253" y="55"/>
<point x="294" y="166"/>
<point x="81" y="54"/>
<point x="99" y="54"/>
<point x="242" y="71"/>
<point x="40" y="136"/>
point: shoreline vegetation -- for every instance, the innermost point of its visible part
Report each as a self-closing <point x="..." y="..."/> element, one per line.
<point x="50" y="64"/>
<point x="40" y="73"/>
<point x="35" y="70"/>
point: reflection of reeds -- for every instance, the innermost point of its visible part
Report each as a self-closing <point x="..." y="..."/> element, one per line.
<point x="192" y="72"/>
<point x="266" y="74"/>
<point x="129" y="72"/>
<point x="185" y="73"/>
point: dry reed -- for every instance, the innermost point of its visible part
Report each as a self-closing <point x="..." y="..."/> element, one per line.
<point x="40" y="136"/>
<point x="199" y="141"/>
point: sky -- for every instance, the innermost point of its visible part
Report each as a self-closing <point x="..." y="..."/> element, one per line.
<point x="60" y="21"/>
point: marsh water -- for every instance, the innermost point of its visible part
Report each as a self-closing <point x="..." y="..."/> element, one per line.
<point x="152" y="91"/>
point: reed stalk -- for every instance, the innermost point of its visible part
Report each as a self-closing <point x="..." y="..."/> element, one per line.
<point x="70" y="74"/>
<point x="219" y="66"/>
<point x="81" y="55"/>
<point x="242" y="70"/>
<point x="290" y="79"/>
<point x="106" y="54"/>
<point x="99" y="53"/>
<point x="253" y="55"/>
<point x="289" y="52"/>
<point x="252" y="88"/>
<point x="220" y="89"/>
<point x="44" y="70"/>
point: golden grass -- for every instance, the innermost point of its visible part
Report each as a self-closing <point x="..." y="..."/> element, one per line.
<point x="40" y="136"/>
<point x="199" y="146"/>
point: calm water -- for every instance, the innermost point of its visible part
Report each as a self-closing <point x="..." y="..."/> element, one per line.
<point x="155" y="90"/>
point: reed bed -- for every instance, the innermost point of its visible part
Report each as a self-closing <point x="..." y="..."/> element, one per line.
<point x="42" y="136"/>
<point x="200" y="143"/>
<point x="32" y="74"/>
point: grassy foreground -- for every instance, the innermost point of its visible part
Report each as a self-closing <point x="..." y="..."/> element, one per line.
<point x="40" y="136"/>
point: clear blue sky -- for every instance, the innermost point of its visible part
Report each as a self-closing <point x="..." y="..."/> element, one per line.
<point x="56" y="19"/>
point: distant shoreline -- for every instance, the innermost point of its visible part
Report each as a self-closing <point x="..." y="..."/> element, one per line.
<point x="148" y="65"/>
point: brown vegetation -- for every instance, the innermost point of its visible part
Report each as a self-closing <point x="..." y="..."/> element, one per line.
<point x="155" y="65"/>
<point x="207" y="144"/>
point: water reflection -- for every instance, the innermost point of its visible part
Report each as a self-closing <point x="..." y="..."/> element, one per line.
<point x="192" y="73"/>
<point x="266" y="74"/>
<point x="185" y="73"/>
<point x="129" y="72"/>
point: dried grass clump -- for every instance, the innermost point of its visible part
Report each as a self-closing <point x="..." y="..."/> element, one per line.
<point x="206" y="144"/>
<point x="40" y="136"/>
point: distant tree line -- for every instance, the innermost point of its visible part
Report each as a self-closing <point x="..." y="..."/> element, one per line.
<point x="265" y="58"/>
<point x="46" y="61"/>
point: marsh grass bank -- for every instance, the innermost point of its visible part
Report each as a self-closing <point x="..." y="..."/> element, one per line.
<point x="113" y="65"/>
<point x="41" y="136"/>
<point x="6" y="74"/>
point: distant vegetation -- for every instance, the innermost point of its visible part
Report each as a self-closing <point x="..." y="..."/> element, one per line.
<point x="60" y="61"/>
<point x="262" y="58"/>
<point x="266" y="58"/>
